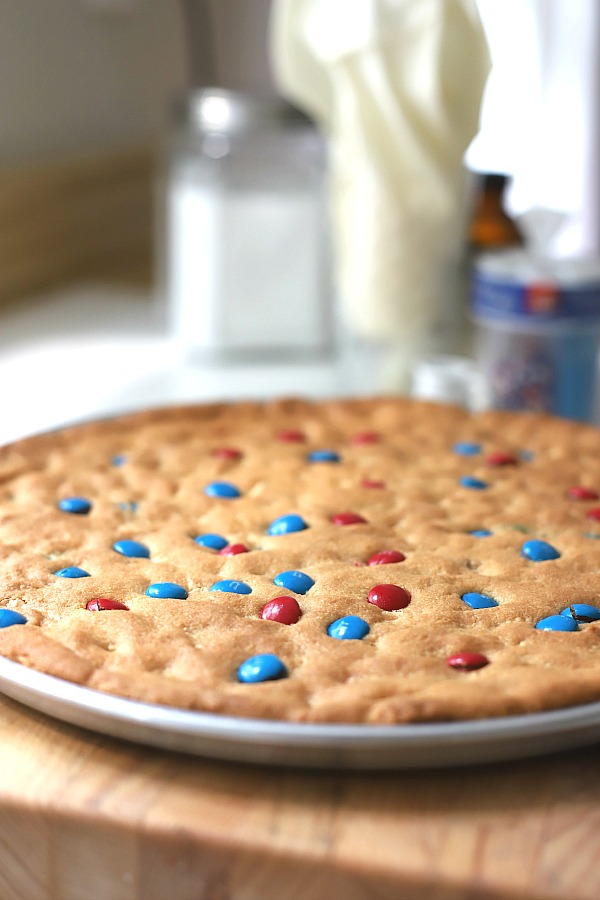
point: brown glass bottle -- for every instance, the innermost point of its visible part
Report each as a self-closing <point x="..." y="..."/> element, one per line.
<point x="491" y="228"/>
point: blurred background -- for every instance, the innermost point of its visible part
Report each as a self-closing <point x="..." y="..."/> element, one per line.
<point x="212" y="199"/>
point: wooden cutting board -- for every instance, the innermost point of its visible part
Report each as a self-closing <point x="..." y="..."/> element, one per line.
<point x="84" y="817"/>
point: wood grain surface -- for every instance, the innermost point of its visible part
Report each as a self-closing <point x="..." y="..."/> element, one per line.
<point x="84" y="817"/>
<point x="86" y="218"/>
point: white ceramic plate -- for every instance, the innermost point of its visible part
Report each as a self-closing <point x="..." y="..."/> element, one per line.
<point x="303" y="745"/>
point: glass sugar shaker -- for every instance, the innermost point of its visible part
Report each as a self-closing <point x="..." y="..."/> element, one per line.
<point x="246" y="259"/>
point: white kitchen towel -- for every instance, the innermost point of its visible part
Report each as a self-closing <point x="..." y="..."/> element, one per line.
<point x="396" y="86"/>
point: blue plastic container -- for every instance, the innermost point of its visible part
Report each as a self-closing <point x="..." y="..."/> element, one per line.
<point x="538" y="333"/>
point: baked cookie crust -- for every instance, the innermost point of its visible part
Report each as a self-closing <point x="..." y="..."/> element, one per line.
<point x="461" y="499"/>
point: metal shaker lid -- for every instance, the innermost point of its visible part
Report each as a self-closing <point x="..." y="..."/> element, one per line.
<point x="214" y="109"/>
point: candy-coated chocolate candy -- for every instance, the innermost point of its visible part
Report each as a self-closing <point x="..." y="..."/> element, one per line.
<point x="287" y="525"/>
<point x="478" y="601"/>
<point x="349" y="628"/>
<point x="100" y="603"/>
<point x="467" y="661"/>
<point x="372" y="484"/>
<point x="539" y="551"/>
<point x="221" y="489"/>
<point x="233" y="550"/>
<point x="594" y="514"/>
<point x="582" y="612"/>
<point x="167" y="590"/>
<point x="579" y="492"/>
<point x="365" y="437"/>
<point x="212" y="541"/>
<point x="10" y="617"/>
<point x="475" y="484"/>
<point x="228" y="586"/>
<point x="467" y="448"/>
<point x="78" y="505"/>
<point x="386" y="556"/>
<point x="285" y="610"/>
<point x="291" y="436"/>
<point x="348" y="518"/>
<point x="119" y="459"/>
<point x="72" y="572"/>
<point x="132" y="548"/>
<point x="227" y="453"/>
<point x="292" y="580"/>
<point x="318" y="456"/>
<point x="557" y="623"/>
<point x="501" y="459"/>
<point x="480" y="533"/>
<point x="389" y="597"/>
<point x="264" y="667"/>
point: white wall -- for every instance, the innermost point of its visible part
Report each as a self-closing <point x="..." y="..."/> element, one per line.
<point x="74" y="79"/>
<point x="541" y="118"/>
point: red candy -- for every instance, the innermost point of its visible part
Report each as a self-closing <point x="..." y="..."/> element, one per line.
<point x="371" y="483"/>
<point x="104" y="603"/>
<point x="291" y="436"/>
<point x="582" y="493"/>
<point x="233" y="550"/>
<point x="365" y="437"/>
<point x="594" y="513"/>
<point x="467" y="661"/>
<point x="347" y="518"/>
<point x="386" y="556"/>
<point x="282" y="609"/>
<point x="227" y="453"/>
<point x="501" y="459"/>
<point x="389" y="597"/>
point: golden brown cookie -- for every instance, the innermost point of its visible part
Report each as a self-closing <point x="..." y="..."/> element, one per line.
<point x="373" y="560"/>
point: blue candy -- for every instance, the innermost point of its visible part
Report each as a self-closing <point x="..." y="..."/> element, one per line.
<point x="232" y="587"/>
<point x="557" y="623"/>
<point x="119" y="460"/>
<point x="72" y="572"/>
<point x="298" y="582"/>
<point x="78" y="505"/>
<point x="212" y="541"/>
<point x="10" y="617"/>
<point x="478" y="601"/>
<point x="349" y="628"/>
<point x="466" y="448"/>
<point x="476" y="484"/>
<point x="264" y="667"/>
<point x="481" y="533"/>
<point x="539" y="551"/>
<point x="323" y="456"/>
<point x="167" y="590"/>
<point x="221" y="489"/>
<point x="583" y="612"/>
<point x="287" y="525"/>
<point x="131" y="548"/>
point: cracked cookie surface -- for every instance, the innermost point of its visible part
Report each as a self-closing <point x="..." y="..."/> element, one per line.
<point x="454" y="496"/>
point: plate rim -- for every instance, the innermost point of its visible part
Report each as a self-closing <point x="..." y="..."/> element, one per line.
<point x="34" y="686"/>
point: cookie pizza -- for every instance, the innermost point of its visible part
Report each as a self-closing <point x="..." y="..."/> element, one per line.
<point x="369" y="561"/>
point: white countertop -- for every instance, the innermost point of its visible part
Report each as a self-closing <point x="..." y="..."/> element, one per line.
<point x="91" y="351"/>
